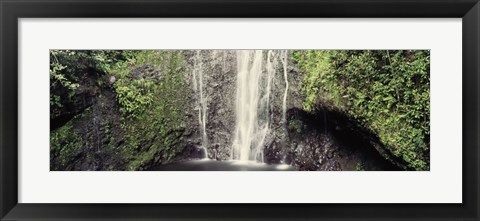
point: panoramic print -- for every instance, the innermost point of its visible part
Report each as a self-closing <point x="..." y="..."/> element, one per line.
<point x="239" y="110"/>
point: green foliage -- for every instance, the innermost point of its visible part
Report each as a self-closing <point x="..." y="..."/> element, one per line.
<point x="387" y="91"/>
<point x="359" y="167"/>
<point x="60" y="79"/>
<point x="115" y="62"/>
<point x="65" y="145"/>
<point x="149" y="88"/>
<point x="152" y="108"/>
<point x="134" y="96"/>
<point x="69" y="68"/>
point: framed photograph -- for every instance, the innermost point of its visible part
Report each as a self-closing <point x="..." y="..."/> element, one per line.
<point x="229" y="110"/>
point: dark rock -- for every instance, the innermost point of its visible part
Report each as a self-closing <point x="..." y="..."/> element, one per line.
<point x="318" y="147"/>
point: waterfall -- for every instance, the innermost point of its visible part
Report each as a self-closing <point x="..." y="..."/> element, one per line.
<point x="271" y="68"/>
<point x="201" y="105"/>
<point x="285" y="63"/>
<point x="252" y="104"/>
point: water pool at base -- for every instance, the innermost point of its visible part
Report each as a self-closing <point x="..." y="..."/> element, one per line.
<point x="214" y="165"/>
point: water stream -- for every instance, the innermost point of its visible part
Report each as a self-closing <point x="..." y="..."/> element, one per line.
<point x="253" y="109"/>
<point x="284" y="106"/>
<point x="201" y="106"/>
<point x="256" y="70"/>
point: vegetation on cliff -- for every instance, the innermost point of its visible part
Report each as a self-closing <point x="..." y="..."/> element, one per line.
<point x="388" y="92"/>
<point x="151" y="98"/>
<point x="139" y="109"/>
<point x="133" y="116"/>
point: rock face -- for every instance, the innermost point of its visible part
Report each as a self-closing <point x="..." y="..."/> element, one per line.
<point x="202" y="117"/>
<point x="306" y="141"/>
<point x="100" y="135"/>
<point x="219" y="69"/>
<point x="84" y="98"/>
<point x="276" y="147"/>
<point x="328" y="140"/>
<point x="219" y="78"/>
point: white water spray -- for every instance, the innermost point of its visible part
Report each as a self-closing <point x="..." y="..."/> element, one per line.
<point x="252" y="104"/>
<point x="271" y="68"/>
<point x="285" y="62"/>
<point x="201" y="99"/>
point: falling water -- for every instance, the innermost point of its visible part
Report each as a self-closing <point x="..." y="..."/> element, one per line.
<point x="252" y="104"/>
<point x="271" y="68"/>
<point x="265" y="108"/>
<point x="201" y="100"/>
<point x="285" y="62"/>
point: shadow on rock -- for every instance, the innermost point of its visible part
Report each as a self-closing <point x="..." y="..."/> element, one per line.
<point x="329" y="141"/>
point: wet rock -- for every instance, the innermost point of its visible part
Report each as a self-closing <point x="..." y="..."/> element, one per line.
<point x="308" y="141"/>
<point x="146" y="71"/>
<point x="112" y="79"/>
<point x="320" y="147"/>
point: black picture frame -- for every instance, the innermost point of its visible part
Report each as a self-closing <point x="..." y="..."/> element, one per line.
<point x="12" y="10"/>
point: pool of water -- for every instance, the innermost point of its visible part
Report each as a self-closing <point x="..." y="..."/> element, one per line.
<point x="214" y="165"/>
